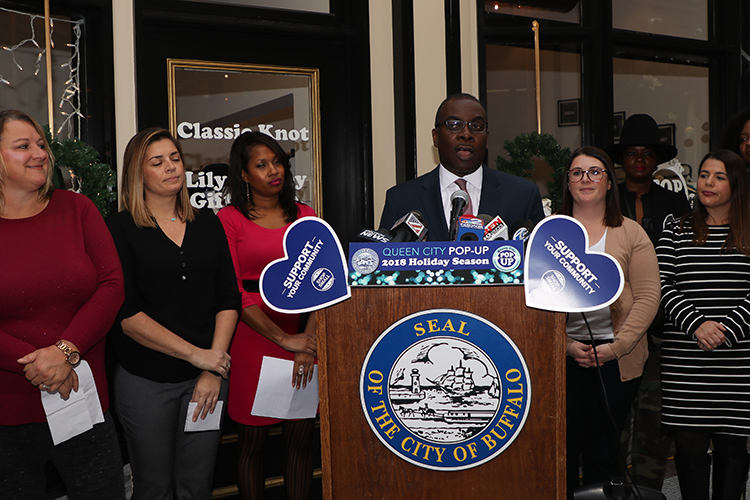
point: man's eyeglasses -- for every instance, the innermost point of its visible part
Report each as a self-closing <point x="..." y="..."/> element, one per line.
<point x="594" y="174"/>
<point x="458" y="126"/>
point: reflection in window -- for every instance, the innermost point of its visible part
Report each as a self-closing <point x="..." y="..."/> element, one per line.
<point x="24" y="69"/>
<point x="322" y="6"/>
<point x="511" y="96"/>
<point x="571" y="16"/>
<point x="682" y="18"/>
<point x="673" y="94"/>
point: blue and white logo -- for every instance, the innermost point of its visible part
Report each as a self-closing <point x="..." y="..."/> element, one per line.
<point x="312" y="273"/>
<point x="506" y="259"/>
<point x="445" y="389"/>
<point x="365" y="260"/>
<point x="562" y="274"/>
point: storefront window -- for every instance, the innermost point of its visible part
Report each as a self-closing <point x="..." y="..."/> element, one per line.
<point x="23" y="70"/>
<point x="682" y="18"/>
<point x="511" y="97"/>
<point x="675" y="95"/>
<point x="322" y="6"/>
<point x="567" y="11"/>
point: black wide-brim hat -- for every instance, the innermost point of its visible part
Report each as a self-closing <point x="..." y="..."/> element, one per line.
<point x="641" y="130"/>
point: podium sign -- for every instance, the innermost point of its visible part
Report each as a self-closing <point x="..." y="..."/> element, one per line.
<point x="436" y="263"/>
<point x="445" y="390"/>
<point x="357" y="463"/>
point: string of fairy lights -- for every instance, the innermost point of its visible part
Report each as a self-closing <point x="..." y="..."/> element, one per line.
<point x="70" y="103"/>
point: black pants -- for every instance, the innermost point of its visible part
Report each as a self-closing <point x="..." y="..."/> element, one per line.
<point x="90" y="464"/>
<point x="591" y="438"/>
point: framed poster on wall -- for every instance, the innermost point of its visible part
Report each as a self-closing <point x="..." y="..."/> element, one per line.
<point x="568" y="113"/>
<point x="212" y="103"/>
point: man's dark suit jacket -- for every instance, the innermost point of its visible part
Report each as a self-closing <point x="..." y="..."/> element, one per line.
<point x="508" y="196"/>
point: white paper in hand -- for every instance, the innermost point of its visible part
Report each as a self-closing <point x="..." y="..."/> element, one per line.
<point x="212" y="422"/>
<point x="79" y="413"/>
<point x="277" y="398"/>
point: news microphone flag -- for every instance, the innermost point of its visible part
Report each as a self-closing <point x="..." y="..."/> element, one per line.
<point x="470" y="229"/>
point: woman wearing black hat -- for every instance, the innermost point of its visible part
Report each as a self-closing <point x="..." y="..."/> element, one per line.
<point x="639" y="152"/>
<point x="641" y="199"/>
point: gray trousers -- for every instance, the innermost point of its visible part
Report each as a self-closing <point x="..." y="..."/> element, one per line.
<point x="167" y="463"/>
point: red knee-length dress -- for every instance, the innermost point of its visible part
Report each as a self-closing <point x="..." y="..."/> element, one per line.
<point x="252" y="248"/>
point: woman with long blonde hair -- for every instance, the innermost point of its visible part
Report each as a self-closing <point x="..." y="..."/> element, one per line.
<point x="172" y="335"/>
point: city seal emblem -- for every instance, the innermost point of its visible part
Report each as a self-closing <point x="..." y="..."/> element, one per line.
<point x="445" y="389"/>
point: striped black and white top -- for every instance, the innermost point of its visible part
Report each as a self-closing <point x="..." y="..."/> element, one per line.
<point x="704" y="391"/>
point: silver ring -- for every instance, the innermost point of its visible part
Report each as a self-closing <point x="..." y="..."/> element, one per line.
<point x="301" y="370"/>
<point x="44" y="386"/>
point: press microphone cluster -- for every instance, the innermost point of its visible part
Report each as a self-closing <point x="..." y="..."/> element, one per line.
<point x="487" y="228"/>
<point x="481" y="228"/>
<point x="410" y="227"/>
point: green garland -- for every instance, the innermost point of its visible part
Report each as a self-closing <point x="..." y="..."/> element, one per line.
<point x="523" y="148"/>
<point x="95" y="180"/>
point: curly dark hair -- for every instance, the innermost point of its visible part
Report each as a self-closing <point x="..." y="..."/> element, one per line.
<point x="730" y="138"/>
<point x="236" y="188"/>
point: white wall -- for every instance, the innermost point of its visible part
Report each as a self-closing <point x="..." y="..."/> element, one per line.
<point x="123" y="35"/>
<point x="429" y="83"/>
<point x="383" y="106"/>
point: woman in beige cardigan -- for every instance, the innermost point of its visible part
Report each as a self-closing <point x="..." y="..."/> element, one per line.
<point x="619" y="345"/>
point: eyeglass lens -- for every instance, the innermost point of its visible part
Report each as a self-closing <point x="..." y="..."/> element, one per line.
<point x="458" y="125"/>
<point x="594" y="174"/>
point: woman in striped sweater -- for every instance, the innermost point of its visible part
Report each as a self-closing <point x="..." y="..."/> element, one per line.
<point x="704" y="262"/>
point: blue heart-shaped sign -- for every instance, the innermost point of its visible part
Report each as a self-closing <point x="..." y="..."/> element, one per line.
<point x="562" y="275"/>
<point x="312" y="273"/>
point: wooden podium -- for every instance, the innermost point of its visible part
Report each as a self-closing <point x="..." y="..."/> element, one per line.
<point x="356" y="465"/>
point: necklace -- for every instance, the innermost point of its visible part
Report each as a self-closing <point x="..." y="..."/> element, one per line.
<point x="170" y="219"/>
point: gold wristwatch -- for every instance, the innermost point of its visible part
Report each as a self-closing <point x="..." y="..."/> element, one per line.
<point x="74" y="357"/>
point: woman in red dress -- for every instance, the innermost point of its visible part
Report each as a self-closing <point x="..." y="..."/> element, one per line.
<point x="262" y="207"/>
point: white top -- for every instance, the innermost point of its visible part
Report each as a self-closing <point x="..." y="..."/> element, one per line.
<point x="599" y="320"/>
<point x="448" y="186"/>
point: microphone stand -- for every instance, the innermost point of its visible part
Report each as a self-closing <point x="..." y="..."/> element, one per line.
<point x="620" y="453"/>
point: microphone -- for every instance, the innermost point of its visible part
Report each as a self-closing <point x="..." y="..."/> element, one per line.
<point x="409" y="228"/>
<point x="380" y="236"/>
<point x="485" y="219"/>
<point x="521" y="230"/>
<point x="459" y="200"/>
<point x="495" y="229"/>
<point x="470" y="228"/>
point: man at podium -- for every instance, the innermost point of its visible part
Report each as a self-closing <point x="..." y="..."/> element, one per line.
<point x="460" y="135"/>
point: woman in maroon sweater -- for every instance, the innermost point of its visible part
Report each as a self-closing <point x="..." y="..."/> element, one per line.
<point x="60" y="288"/>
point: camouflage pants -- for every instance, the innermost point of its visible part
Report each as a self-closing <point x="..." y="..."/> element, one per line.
<point x="649" y="445"/>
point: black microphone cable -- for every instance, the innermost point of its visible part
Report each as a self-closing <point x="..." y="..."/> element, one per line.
<point x="620" y="452"/>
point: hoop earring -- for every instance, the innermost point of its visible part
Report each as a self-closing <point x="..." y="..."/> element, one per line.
<point x="247" y="190"/>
